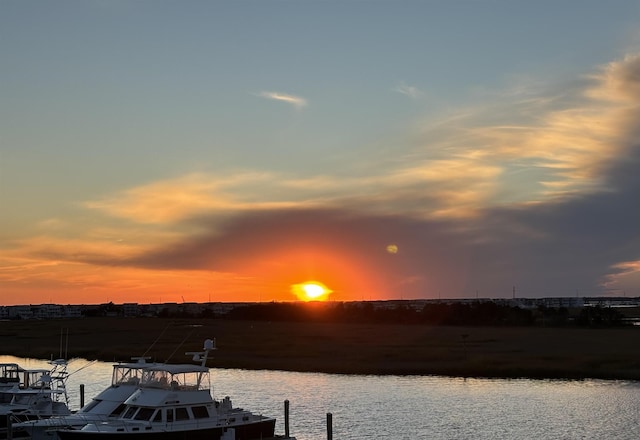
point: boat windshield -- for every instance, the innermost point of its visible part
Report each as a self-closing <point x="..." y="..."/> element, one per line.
<point x="38" y="378"/>
<point x="125" y="374"/>
<point x="176" y="379"/>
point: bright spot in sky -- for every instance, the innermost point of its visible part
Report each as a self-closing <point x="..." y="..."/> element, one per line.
<point x="392" y="249"/>
<point x="311" y="291"/>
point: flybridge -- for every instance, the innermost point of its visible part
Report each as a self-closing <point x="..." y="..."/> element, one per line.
<point x="180" y="377"/>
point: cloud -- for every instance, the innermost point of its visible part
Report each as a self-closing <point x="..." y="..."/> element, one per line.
<point x="169" y="201"/>
<point x="531" y="150"/>
<point x="45" y="250"/>
<point x="539" y="193"/>
<point x="297" y="101"/>
<point x="407" y="90"/>
<point x="619" y="81"/>
<point x="163" y="201"/>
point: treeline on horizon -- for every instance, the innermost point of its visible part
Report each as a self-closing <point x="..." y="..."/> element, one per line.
<point x="440" y="314"/>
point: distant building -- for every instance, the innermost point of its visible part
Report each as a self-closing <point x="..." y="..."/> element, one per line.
<point x="130" y="310"/>
<point x="20" y="312"/>
<point x="72" y="312"/>
<point x="47" y="311"/>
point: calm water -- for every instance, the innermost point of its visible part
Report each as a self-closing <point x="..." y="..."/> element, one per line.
<point x="414" y="407"/>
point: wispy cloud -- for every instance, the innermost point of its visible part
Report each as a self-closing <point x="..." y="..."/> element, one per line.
<point x="171" y="201"/>
<point x="621" y="273"/>
<point x="163" y="201"/>
<point x="410" y="91"/>
<point x="297" y="101"/>
<point x="528" y="151"/>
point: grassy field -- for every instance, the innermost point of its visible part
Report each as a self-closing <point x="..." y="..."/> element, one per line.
<point x="341" y="348"/>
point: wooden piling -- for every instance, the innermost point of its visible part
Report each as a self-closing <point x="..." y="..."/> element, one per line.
<point x="329" y="426"/>
<point x="286" y="419"/>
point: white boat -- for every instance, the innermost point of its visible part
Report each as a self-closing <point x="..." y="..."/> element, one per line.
<point x="37" y="393"/>
<point x="174" y="402"/>
<point x="125" y="380"/>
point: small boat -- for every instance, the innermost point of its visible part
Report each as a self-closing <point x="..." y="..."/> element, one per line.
<point x="125" y="380"/>
<point x="174" y="402"/>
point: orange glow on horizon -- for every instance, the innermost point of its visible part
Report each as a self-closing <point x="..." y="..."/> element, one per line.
<point x="311" y="291"/>
<point x="264" y="276"/>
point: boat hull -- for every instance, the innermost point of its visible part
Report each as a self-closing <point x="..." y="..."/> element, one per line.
<point x="251" y="431"/>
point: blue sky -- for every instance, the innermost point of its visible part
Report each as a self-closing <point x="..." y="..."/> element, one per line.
<point x="493" y="142"/>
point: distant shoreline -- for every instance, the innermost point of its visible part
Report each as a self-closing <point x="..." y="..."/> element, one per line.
<point x="491" y="352"/>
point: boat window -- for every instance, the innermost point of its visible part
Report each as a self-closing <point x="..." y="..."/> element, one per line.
<point x="129" y="413"/>
<point x="144" y="414"/>
<point x="116" y="412"/>
<point x="169" y="415"/>
<point x="182" y="414"/>
<point x="200" y="412"/>
<point x="158" y="416"/>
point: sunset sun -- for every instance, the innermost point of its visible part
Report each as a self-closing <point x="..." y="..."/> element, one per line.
<point x="311" y="291"/>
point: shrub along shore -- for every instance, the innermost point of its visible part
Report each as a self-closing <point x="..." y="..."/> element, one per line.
<point x="361" y="348"/>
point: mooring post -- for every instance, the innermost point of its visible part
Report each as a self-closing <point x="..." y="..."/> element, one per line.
<point x="81" y="395"/>
<point x="9" y="428"/>
<point x="329" y="426"/>
<point x="286" y="419"/>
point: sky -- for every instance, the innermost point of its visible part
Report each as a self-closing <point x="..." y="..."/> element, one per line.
<point x="193" y="151"/>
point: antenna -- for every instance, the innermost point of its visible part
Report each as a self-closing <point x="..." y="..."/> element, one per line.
<point x="202" y="356"/>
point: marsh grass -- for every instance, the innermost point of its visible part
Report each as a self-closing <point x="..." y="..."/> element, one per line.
<point x="340" y="348"/>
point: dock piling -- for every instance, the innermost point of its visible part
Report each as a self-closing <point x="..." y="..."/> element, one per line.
<point x="286" y="419"/>
<point x="329" y="426"/>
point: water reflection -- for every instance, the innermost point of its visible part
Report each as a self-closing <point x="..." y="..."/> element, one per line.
<point x="414" y="407"/>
